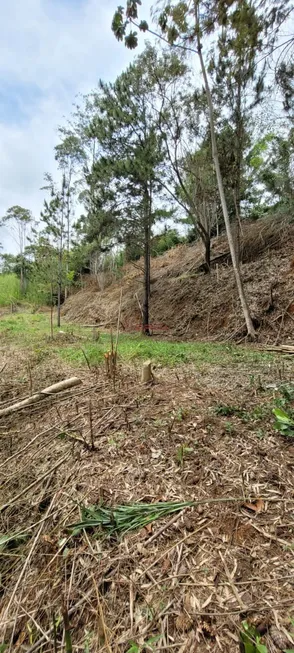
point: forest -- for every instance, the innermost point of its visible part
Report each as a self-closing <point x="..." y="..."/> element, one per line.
<point x="146" y="350"/>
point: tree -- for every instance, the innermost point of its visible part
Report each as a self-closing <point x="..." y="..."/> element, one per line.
<point x="19" y="220"/>
<point x="173" y="22"/>
<point x="126" y="128"/>
<point x="43" y="270"/>
<point x="53" y="215"/>
<point x="69" y="154"/>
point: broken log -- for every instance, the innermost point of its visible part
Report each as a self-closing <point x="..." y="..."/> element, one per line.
<point x="51" y="390"/>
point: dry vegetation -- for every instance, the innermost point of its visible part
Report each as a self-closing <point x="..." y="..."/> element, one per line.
<point x="186" y="583"/>
<point x="186" y="303"/>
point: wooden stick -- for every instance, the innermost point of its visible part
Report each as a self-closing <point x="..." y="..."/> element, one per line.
<point x="52" y="389"/>
<point x="118" y="322"/>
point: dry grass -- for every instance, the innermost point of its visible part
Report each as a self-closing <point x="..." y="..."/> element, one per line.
<point x="183" y="584"/>
<point x="186" y="303"/>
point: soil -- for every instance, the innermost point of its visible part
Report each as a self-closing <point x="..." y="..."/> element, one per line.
<point x="186" y="303"/>
<point x="185" y="584"/>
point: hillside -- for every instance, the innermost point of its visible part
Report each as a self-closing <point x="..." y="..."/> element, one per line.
<point x="186" y="303"/>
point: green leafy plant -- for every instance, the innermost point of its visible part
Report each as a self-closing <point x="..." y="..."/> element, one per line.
<point x="12" y="540"/>
<point x="228" y="411"/>
<point x="148" y="645"/>
<point x="122" y="519"/>
<point x="134" y="648"/>
<point x="251" y="639"/>
<point x="284" y="422"/>
<point x="229" y="428"/>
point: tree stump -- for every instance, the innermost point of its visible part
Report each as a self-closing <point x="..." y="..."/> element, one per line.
<point x="147" y="374"/>
<point x="110" y="364"/>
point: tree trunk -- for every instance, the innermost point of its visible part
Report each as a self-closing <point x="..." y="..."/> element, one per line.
<point x="147" y="235"/>
<point x="145" y="316"/>
<point x="239" y="140"/>
<point x="59" y="287"/>
<point x="22" y="281"/>
<point x="58" y="304"/>
<point x="239" y="283"/>
<point x="207" y="253"/>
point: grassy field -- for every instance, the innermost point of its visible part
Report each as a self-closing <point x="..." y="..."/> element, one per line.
<point x="71" y="343"/>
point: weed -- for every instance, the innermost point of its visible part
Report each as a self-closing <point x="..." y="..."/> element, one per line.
<point x="147" y="646"/>
<point x="230" y="428"/>
<point x="87" y="641"/>
<point x="227" y="411"/>
<point x="251" y="639"/>
<point x="181" y="414"/>
<point x="260" y="434"/>
<point x="182" y="452"/>
<point x="284" y="422"/>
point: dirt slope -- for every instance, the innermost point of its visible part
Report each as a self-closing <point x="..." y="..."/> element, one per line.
<point x="186" y="303"/>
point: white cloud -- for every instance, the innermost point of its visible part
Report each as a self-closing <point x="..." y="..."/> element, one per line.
<point x="50" y="51"/>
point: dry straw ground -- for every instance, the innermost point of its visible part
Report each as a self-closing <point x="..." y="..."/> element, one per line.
<point x="183" y="584"/>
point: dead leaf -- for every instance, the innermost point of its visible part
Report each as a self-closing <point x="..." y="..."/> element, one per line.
<point x="191" y="603"/>
<point x="207" y="602"/>
<point x="257" y="506"/>
<point x="166" y="564"/>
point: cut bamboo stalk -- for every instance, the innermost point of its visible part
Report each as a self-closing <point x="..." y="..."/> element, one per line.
<point x="147" y="375"/>
<point x="51" y="390"/>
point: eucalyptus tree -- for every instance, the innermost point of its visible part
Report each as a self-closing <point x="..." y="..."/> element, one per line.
<point x="54" y="219"/>
<point x="19" y="221"/>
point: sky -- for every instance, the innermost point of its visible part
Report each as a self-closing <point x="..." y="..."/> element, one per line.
<point x="50" y="52"/>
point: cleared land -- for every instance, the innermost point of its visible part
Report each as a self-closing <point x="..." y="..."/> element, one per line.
<point x="203" y="431"/>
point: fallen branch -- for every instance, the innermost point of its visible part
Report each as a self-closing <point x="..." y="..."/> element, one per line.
<point x="51" y="390"/>
<point x="281" y="349"/>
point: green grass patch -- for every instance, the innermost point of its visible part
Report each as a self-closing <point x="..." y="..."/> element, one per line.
<point x="33" y="330"/>
<point x="168" y="354"/>
<point x="9" y="289"/>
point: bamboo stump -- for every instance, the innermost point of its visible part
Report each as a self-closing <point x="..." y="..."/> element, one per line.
<point x="147" y="375"/>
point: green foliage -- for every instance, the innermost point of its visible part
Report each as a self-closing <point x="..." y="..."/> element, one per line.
<point x="284" y="422"/>
<point x="251" y="639"/>
<point x="182" y="452"/>
<point x="12" y="540"/>
<point x="120" y="520"/>
<point x="149" y="644"/>
<point x="9" y="289"/>
<point x="165" y="241"/>
<point x="227" y="411"/>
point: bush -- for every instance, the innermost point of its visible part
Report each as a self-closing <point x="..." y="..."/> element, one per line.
<point x="165" y="241"/>
<point x="9" y="289"/>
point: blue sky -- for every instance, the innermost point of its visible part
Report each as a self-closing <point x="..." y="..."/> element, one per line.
<point x="50" y="51"/>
